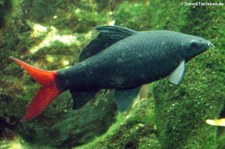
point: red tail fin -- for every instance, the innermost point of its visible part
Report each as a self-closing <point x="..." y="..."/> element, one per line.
<point x="45" y="94"/>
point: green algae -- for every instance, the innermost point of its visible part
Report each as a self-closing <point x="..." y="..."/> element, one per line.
<point x="200" y="95"/>
<point x="133" y="129"/>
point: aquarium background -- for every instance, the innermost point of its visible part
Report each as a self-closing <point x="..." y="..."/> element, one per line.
<point x="51" y="34"/>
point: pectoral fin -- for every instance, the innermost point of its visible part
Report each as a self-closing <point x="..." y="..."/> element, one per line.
<point x="81" y="98"/>
<point x="177" y="75"/>
<point x="125" y="98"/>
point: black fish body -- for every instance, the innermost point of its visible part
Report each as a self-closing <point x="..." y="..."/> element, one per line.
<point x="123" y="59"/>
<point x="138" y="59"/>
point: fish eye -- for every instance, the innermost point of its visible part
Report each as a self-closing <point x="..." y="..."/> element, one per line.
<point x="194" y="44"/>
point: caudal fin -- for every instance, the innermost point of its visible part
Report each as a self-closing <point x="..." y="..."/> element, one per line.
<point x="47" y="92"/>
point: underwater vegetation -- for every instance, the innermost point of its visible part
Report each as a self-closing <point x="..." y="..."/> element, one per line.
<point x="51" y="35"/>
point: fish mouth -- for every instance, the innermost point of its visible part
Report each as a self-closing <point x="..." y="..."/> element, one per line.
<point x="210" y="44"/>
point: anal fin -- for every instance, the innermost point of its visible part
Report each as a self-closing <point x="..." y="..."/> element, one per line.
<point x="125" y="98"/>
<point x="81" y="98"/>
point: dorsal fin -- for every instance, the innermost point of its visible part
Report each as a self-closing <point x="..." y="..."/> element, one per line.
<point x="107" y="36"/>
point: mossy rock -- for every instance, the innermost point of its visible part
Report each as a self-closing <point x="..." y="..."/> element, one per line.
<point x="183" y="110"/>
<point x="60" y="126"/>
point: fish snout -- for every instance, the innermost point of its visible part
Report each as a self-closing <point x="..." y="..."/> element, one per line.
<point x="210" y="44"/>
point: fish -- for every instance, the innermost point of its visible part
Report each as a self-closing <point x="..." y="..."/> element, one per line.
<point x="216" y="122"/>
<point x="118" y="59"/>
